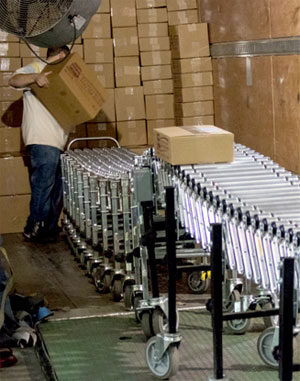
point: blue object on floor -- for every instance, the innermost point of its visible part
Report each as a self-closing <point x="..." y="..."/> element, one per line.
<point x="42" y="314"/>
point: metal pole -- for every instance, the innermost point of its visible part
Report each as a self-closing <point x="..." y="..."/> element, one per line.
<point x="216" y="299"/>
<point x="149" y="242"/>
<point x="286" y="321"/>
<point x="171" y="256"/>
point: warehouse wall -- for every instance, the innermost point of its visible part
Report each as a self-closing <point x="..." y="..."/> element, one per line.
<point x="257" y="97"/>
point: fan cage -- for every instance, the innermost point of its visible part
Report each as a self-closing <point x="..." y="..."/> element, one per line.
<point x="29" y="18"/>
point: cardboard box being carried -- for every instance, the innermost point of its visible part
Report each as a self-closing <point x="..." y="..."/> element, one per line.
<point x="194" y="145"/>
<point x="75" y="95"/>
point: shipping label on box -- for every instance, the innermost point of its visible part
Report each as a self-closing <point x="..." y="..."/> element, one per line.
<point x="194" y="145"/>
<point x="153" y="30"/>
<point x="191" y="65"/>
<point x="151" y="73"/>
<point x="189" y="16"/>
<point x="98" y="50"/>
<point x="153" y="15"/>
<point x="123" y="13"/>
<point x="194" y="94"/>
<point x="154" y="43"/>
<point x="74" y="95"/>
<point x="130" y="104"/>
<point x="193" y="79"/>
<point x="98" y="27"/>
<point x="195" y="34"/>
<point x="125" y="42"/>
<point x="162" y="57"/>
<point x="160" y="86"/>
<point x="177" y="5"/>
<point x="160" y="106"/>
<point x="132" y="133"/>
<point x="127" y="71"/>
<point x="140" y="4"/>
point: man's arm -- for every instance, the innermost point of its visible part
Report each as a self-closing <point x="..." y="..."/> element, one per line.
<point x="24" y="80"/>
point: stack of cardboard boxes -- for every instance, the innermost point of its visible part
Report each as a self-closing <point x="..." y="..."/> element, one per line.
<point x="182" y="12"/>
<point x="191" y="64"/>
<point x="130" y="104"/>
<point x="156" y="64"/>
<point x="14" y="184"/>
<point x="98" y="54"/>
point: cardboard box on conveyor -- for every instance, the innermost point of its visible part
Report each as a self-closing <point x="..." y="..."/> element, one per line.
<point x="193" y="144"/>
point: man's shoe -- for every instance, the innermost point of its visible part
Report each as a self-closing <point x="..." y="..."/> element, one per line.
<point x="36" y="233"/>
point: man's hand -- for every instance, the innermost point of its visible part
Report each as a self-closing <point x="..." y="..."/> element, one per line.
<point x="42" y="79"/>
<point x="24" y="80"/>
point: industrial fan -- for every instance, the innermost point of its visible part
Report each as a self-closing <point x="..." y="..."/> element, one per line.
<point x="46" y="23"/>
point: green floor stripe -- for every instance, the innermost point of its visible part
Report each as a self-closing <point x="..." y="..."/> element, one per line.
<point x="113" y="349"/>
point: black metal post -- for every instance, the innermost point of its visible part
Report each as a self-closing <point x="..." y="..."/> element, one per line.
<point x="217" y="299"/>
<point x="149" y="242"/>
<point x="171" y="256"/>
<point x="286" y="321"/>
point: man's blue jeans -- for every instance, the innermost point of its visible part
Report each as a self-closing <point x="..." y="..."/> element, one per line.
<point x="46" y="186"/>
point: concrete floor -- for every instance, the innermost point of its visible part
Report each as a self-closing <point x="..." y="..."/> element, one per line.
<point x="52" y="271"/>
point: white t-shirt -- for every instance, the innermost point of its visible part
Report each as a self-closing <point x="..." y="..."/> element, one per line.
<point x="38" y="125"/>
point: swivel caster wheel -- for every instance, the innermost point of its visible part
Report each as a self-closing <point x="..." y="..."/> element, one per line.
<point x="266" y="349"/>
<point x="102" y="283"/>
<point x="165" y="367"/>
<point x="117" y="290"/>
<point x="196" y="282"/>
<point x="146" y="321"/>
<point x="239" y="326"/>
<point x="128" y="297"/>
<point x="160" y="323"/>
<point x="228" y="305"/>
